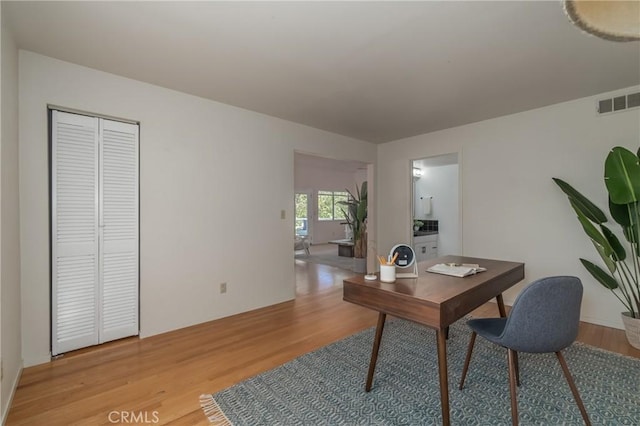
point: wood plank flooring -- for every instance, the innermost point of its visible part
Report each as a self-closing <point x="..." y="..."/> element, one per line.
<point x="162" y="377"/>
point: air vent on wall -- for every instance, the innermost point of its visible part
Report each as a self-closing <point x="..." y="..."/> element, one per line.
<point x="618" y="103"/>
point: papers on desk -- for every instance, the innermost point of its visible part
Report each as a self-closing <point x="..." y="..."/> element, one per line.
<point x="456" y="269"/>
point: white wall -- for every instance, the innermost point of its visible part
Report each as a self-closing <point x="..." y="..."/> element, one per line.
<point x="441" y="182"/>
<point x="10" y="334"/>
<point x="511" y="208"/>
<point x="314" y="179"/>
<point x="196" y="200"/>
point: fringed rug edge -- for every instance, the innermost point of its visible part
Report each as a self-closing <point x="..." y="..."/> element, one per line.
<point x="213" y="412"/>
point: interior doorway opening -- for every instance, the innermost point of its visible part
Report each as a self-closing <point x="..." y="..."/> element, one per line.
<point x="435" y="185"/>
<point x="320" y="184"/>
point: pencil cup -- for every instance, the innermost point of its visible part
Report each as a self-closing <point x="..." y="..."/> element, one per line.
<point x="387" y="273"/>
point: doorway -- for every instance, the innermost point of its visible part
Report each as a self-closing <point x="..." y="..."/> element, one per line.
<point x="321" y="179"/>
<point x="320" y="183"/>
<point x="436" y="202"/>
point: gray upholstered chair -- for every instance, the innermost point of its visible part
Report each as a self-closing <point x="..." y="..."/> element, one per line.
<point x="544" y="318"/>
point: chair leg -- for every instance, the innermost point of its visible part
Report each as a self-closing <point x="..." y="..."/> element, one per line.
<point x="574" y="389"/>
<point x="515" y="359"/>
<point x="468" y="359"/>
<point x="511" y="356"/>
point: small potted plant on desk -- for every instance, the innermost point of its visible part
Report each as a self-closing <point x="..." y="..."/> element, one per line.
<point x="356" y="216"/>
<point x="622" y="274"/>
<point x="417" y="224"/>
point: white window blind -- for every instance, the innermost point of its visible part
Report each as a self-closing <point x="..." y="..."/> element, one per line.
<point x="94" y="225"/>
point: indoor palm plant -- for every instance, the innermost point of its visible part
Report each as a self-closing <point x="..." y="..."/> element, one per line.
<point x="356" y="217"/>
<point x="622" y="273"/>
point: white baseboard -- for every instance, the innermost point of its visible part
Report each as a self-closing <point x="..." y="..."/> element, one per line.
<point x="585" y="318"/>
<point x="604" y="322"/>
<point x="37" y="360"/>
<point x="14" y="387"/>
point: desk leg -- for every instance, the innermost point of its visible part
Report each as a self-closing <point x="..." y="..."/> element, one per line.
<point x="444" y="379"/>
<point x="501" y="309"/>
<point x="374" y="351"/>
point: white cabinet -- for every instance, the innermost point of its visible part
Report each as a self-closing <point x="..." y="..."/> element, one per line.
<point x="426" y="247"/>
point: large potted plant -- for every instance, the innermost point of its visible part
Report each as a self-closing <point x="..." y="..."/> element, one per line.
<point x="356" y="217"/>
<point x="622" y="273"/>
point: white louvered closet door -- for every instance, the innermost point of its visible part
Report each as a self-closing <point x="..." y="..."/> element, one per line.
<point x="74" y="223"/>
<point x="94" y="231"/>
<point x="119" y="225"/>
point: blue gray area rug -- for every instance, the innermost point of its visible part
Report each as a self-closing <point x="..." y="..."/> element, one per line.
<point x="326" y="387"/>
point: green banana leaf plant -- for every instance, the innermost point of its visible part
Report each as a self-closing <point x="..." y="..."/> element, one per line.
<point x="356" y="216"/>
<point x="622" y="273"/>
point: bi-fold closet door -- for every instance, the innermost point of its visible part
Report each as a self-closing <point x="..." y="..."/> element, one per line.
<point x="94" y="231"/>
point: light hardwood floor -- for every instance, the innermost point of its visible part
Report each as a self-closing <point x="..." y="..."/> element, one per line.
<point x="163" y="376"/>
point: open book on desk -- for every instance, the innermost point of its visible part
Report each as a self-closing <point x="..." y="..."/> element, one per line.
<point x="456" y="269"/>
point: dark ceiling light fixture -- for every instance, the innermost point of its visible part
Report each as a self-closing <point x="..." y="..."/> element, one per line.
<point x="608" y="19"/>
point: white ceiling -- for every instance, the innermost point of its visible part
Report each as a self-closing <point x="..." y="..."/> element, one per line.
<point x="376" y="71"/>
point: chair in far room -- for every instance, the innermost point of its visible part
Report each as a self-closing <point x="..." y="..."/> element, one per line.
<point x="544" y="318"/>
<point x="300" y="242"/>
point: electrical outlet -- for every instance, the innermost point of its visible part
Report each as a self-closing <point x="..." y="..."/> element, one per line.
<point x="223" y="288"/>
<point x="283" y="214"/>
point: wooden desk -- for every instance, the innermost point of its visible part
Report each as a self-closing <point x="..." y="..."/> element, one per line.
<point x="434" y="300"/>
